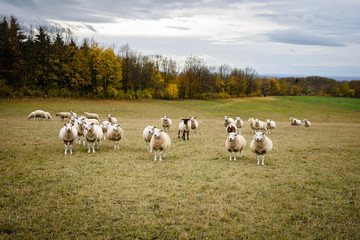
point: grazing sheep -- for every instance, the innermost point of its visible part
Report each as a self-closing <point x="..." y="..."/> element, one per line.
<point x="111" y="119"/>
<point x="79" y="125"/>
<point x="48" y="116"/>
<point x="166" y="123"/>
<point x="252" y="124"/>
<point x="160" y="141"/>
<point x="68" y="134"/>
<point x="194" y="124"/>
<point x="261" y="145"/>
<point x="91" y="120"/>
<point x="307" y="124"/>
<point x="64" y="115"/>
<point x="259" y="125"/>
<point x="231" y="128"/>
<point x="38" y="114"/>
<point x="147" y="134"/>
<point x="32" y="115"/>
<point x="91" y="115"/>
<point x="270" y="125"/>
<point x="228" y="120"/>
<point x="93" y="134"/>
<point x="235" y="143"/>
<point x="295" y="122"/>
<point x="115" y="133"/>
<point x="239" y="123"/>
<point x="104" y="126"/>
<point x="73" y="114"/>
<point x="184" y="127"/>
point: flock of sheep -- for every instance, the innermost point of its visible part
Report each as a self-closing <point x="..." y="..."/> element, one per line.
<point x="88" y="129"/>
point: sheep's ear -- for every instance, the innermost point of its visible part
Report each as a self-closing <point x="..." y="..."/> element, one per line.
<point x="72" y="124"/>
<point x="92" y="123"/>
<point x="64" y="124"/>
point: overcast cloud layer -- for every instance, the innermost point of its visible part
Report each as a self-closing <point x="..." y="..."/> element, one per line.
<point x="285" y="37"/>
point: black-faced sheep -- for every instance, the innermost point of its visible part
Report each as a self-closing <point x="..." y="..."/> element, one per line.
<point x="184" y="127"/>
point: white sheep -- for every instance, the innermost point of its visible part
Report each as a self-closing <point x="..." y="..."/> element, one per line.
<point x="231" y="128"/>
<point x="104" y="126"/>
<point x="79" y="125"/>
<point x="259" y="125"/>
<point x="147" y="134"/>
<point x="261" y="145"/>
<point x="252" y="124"/>
<point x="194" y="124"/>
<point x="184" y="127"/>
<point x="91" y="120"/>
<point x="295" y="122"/>
<point x="93" y="134"/>
<point x="239" y="124"/>
<point x="91" y="115"/>
<point x="307" y="124"/>
<point x="48" y="116"/>
<point x="115" y="133"/>
<point x="68" y="134"/>
<point x="111" y="119"/>
<point x="63" y="115"/>
<point x="73" y="114"/>
<point x="235" y="143"/>
<point x="72" y="119"/>
<point x="37" y="114"/>
<point x="160" y="141"/>
<point x="228" y="120"/>
<point x="166" y="123"/>
<point x="270" y="125"/>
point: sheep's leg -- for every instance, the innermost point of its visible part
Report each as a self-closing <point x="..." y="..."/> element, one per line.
<point x="88" y="147"/>
<point x="114" y="145"/>
<point x="187" y="135"/>
<point x="71" y="147"/>
<point x="93" y="146"/>
<point x="164" y="155"/>
<point x="147" y="145"/>
<point x="160" y="156"/>
<point x="234" y="154"/>
<point x="262" y="162"/>
<point x="99" y="143"/>
<point x="118" y="144"/>
<point x="258" y="159"/>
<point x="183" y="136"/>
<point x="230" y="156"/>
<point x="179" y="134"/>
<point x="155" y="155"/>
<point x="65" y="148"/>
<point x="240" y="153"/>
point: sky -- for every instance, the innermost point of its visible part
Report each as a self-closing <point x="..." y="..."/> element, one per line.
<point x="301" y="37"/>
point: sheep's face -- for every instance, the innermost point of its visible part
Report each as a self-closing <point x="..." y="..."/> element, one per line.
<point x="232" y="136"/>
<point x="250" y="119"/>
<point x="80" y="122"/>
<point x="88" y="126"/>
<point x="226" y="118"/>
<point x="268" y="121"/>
<point x="185" y="120"/>
<point x="151" y="129"/>
<point x="68" y="127"/>
<point x="291" y="119"/>
<point x="157" y="132"/>
<point x="192" y="119"/>
<point x="259" y="136"/>
<point x="238" y="119"/>
<point x="116" y="127"/>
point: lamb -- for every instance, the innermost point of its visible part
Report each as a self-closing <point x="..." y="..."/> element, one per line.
<point x="184" y="127"/>
<point x="261" y="145"/>
<point x="231" y="128"/>
<point x="115" y="133"/>
<point x="91" y="115"/>
<point x="160" y="141"/>
<point x="79" y="125"/>
<point x="94" y="121"/>
<point x="307" y="124"/>
<point x="252" y="124"/>
<point x="228" y="120"/>
<point x="259" y="125"/>
<point x="194" y="124"/>
<point x="68" y="134"/>
<point x="166" y="123"/>
<point x="111" y="119"/>
<point x="93" y="134"/>
<point x="104" y="126"/>
<point x="235" y="143"/>
<point x="270" y="125"/>
<point x="64" y="115"/>
<point x="37" y="114"/>
<point x="239" y="123"/>
<point x="147" y="134"/>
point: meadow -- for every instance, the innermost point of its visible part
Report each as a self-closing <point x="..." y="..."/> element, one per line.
<point x="309" y="187"/>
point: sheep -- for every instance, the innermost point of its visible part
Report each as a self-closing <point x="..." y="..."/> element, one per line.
<point x="147" y="134"/>
<point x="37" y="114"/>
<point x="63" y="115"/>
<point x="79" y="125"/>
<point x="48" y="116"/>
<point x="166" y="123"/>
<point x="231" y="128"/>
<point x="72" y="119"/>
<point x="228" y="120"/>
<point x="104" y="126"/>
<point x="160" y="141"/>
<point x="307" y="124"/>
<point x="261" y="145"/>
<point x="194" y="124"/>
<point x="91" y="115"/>
<point x="295" y="122"/>
<point x="184" y="127"/>
<point x="115" y="133"/>
<point x="73" y="114"/>
<point x="270" y="125"/>
<point x="111" y="119"/>
<point x="68" y="134"/>
<point x="32" y="115"/>
<point x="259" y="125"/>
<point x="93" y="134"/>
<point x="235" y="143"/>
<point x="252" y="124"/>
<point x="239" y="124"/>
<point x="91" y="120"/>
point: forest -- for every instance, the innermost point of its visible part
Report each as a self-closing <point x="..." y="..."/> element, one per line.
<point x="51" y="62"/>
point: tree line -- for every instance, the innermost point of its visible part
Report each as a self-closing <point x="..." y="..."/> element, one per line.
<point x="50" y="62"/>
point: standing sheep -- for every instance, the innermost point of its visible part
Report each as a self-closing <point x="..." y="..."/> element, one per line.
<point x="115" y="133"/>
<point x="68" y="134"/>
<point x="295" y="122"/>
<point x="147" y="134"/>
<point x="111" y="119"/>
<point x="91" y="115"/>
<point x="239" y="123"/>
<point x="252" y="124"/>
<point x="184" y="127"/>
<point x="79" y="125"/>
<point x="160" y="141"/>
<point x="93" y="134"/>
<point x="235" y="143"/>
<point x="259" y="125"/>
<point x="194" y="124"/>
<point x="270" y="125"/>
<point x="307" y="124"/>
<point x="166" y="123"/>
<point x="261" y="145"/>
<point x="231" y="128"/>
<point x="228" y="120"/>
<point x="63" y="115"/>
<point x="104" y="126"/>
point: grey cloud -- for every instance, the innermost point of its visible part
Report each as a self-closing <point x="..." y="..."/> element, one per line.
<point x="91" y="28"/>
<point x="179" y="28"/>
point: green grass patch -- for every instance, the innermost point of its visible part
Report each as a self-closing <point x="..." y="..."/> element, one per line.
<point x="308" y="188"/>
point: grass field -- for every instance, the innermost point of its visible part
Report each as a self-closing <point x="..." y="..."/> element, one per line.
<point x="309" y="187"/>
